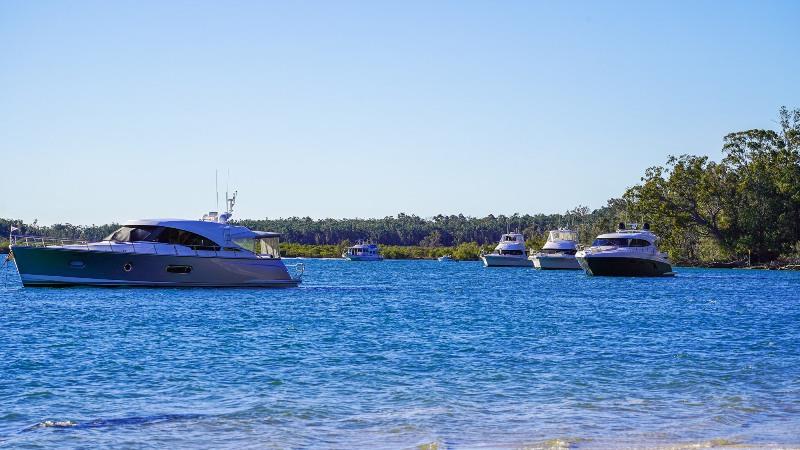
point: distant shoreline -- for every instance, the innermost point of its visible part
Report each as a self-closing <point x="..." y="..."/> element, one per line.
<point x="471" y="252"/>
<point x="774" y="265"/>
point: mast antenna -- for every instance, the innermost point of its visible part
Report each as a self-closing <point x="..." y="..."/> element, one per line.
<point x="216" y="185"/>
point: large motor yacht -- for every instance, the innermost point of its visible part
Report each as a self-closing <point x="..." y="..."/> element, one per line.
<point x="159" y="252"/>
<point x="510" y="252"/>
<point x="558" y="252"/>
<point x="628" y="252"/>
<point x="363" y="251"/>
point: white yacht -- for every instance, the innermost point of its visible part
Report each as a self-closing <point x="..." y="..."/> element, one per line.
<point x="628" y="252"/>
<point x="558" y="252"/>
<point x="363" y="251"/>
<point x="510" y="252"/>
<point x="159" y="252"/>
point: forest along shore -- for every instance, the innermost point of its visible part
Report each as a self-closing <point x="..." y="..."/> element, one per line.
<point x="471" y="252"/>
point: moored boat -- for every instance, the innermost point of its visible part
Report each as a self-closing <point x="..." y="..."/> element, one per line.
<point x="510" y="252"/>
<point x="363" y="251"/>
<point x="159" y="252"/>
<point x="627" y="252"/>
<point x="558" y="253"/>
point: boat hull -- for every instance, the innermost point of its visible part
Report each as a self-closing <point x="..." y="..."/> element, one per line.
<point x="493" y="260"/>
<point x="619" y="266"/>
<point x="555" y="262"/>
<point x="43" y="266"/>
<point x="362" y="258"/>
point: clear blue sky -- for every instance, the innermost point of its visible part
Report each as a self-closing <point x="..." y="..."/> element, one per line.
<point x="117" y="110"/>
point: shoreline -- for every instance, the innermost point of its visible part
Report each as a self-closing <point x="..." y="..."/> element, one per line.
<point x="774" y="265"/>
<point x="416" y="253"/>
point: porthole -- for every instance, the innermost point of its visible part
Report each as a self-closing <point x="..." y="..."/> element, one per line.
<point x="127" y="267"/>
<point x="179" y="269"/>
<point x="77" y="264"/>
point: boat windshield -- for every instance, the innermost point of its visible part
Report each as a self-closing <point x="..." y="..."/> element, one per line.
<point x="553" y="251"/>
<point x="563" y="235"/>
<point x="268" y="246"/>
<point x="619" y="242"/>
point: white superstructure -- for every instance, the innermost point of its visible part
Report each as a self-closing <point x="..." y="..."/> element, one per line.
<point x="363" y="251"/>
<point x="510" y="252"/>
<point x="629" y="251"/>
<point x="558" y="252"/>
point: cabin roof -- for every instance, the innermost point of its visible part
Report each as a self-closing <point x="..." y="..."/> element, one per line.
<point x="630" y="234"/>
<point x="215" y="231"/>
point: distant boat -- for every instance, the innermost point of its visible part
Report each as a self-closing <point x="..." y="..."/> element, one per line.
<point x="628" y="252"/>
<point x="446" y="258"/>
<point x="558" y="252"/>
<point x="158" y="252"/>
<point x="363" y="251"/>
<point x="510" y="252"/>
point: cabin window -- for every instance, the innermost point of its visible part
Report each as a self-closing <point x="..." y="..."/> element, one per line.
<point x="141" y="233"/>
<point x="563" y="235"/>
<point x="550" y="251"/>
<point x="620" y="242"/>
<point x="175" y="236"/>
<point x="511" y="252"/>
<point x="269" y="247"/>
<point x="164" y="235"/>
<point x="613" y="242"/>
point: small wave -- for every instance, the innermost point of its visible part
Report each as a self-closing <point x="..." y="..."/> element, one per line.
<point x="712" y="443"/>
<point x="122" y="421"/>
<point x="52" y="424"/>
<point x="561" y="443"/>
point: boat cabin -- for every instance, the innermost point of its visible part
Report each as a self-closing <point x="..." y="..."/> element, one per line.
<point x="198" y="235"/>
<point x="562" y="235"/>
<point x="363" y="250"/>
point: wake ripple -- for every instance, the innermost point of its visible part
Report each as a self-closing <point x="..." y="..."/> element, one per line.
<point x="123" y="421"/>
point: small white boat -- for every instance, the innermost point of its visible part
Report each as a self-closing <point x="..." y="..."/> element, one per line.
<point x="628" y="252"/>
<point x="446" y="258"/>
<point x="558" y="253"/>
<point x="363" y="251"/>
<point x="510" y="252"/>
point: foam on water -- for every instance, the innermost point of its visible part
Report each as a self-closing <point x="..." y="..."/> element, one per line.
<point x="407" y="354"/>
<point x="121" y="421"/>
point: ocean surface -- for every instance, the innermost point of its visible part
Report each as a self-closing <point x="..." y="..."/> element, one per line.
<point x="400" y="354"/>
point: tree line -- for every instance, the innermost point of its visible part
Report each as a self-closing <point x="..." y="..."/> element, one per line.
<point x="746" y="205"/>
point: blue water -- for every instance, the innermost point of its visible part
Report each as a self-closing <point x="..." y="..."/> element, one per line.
<point x="406" y="353"/>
